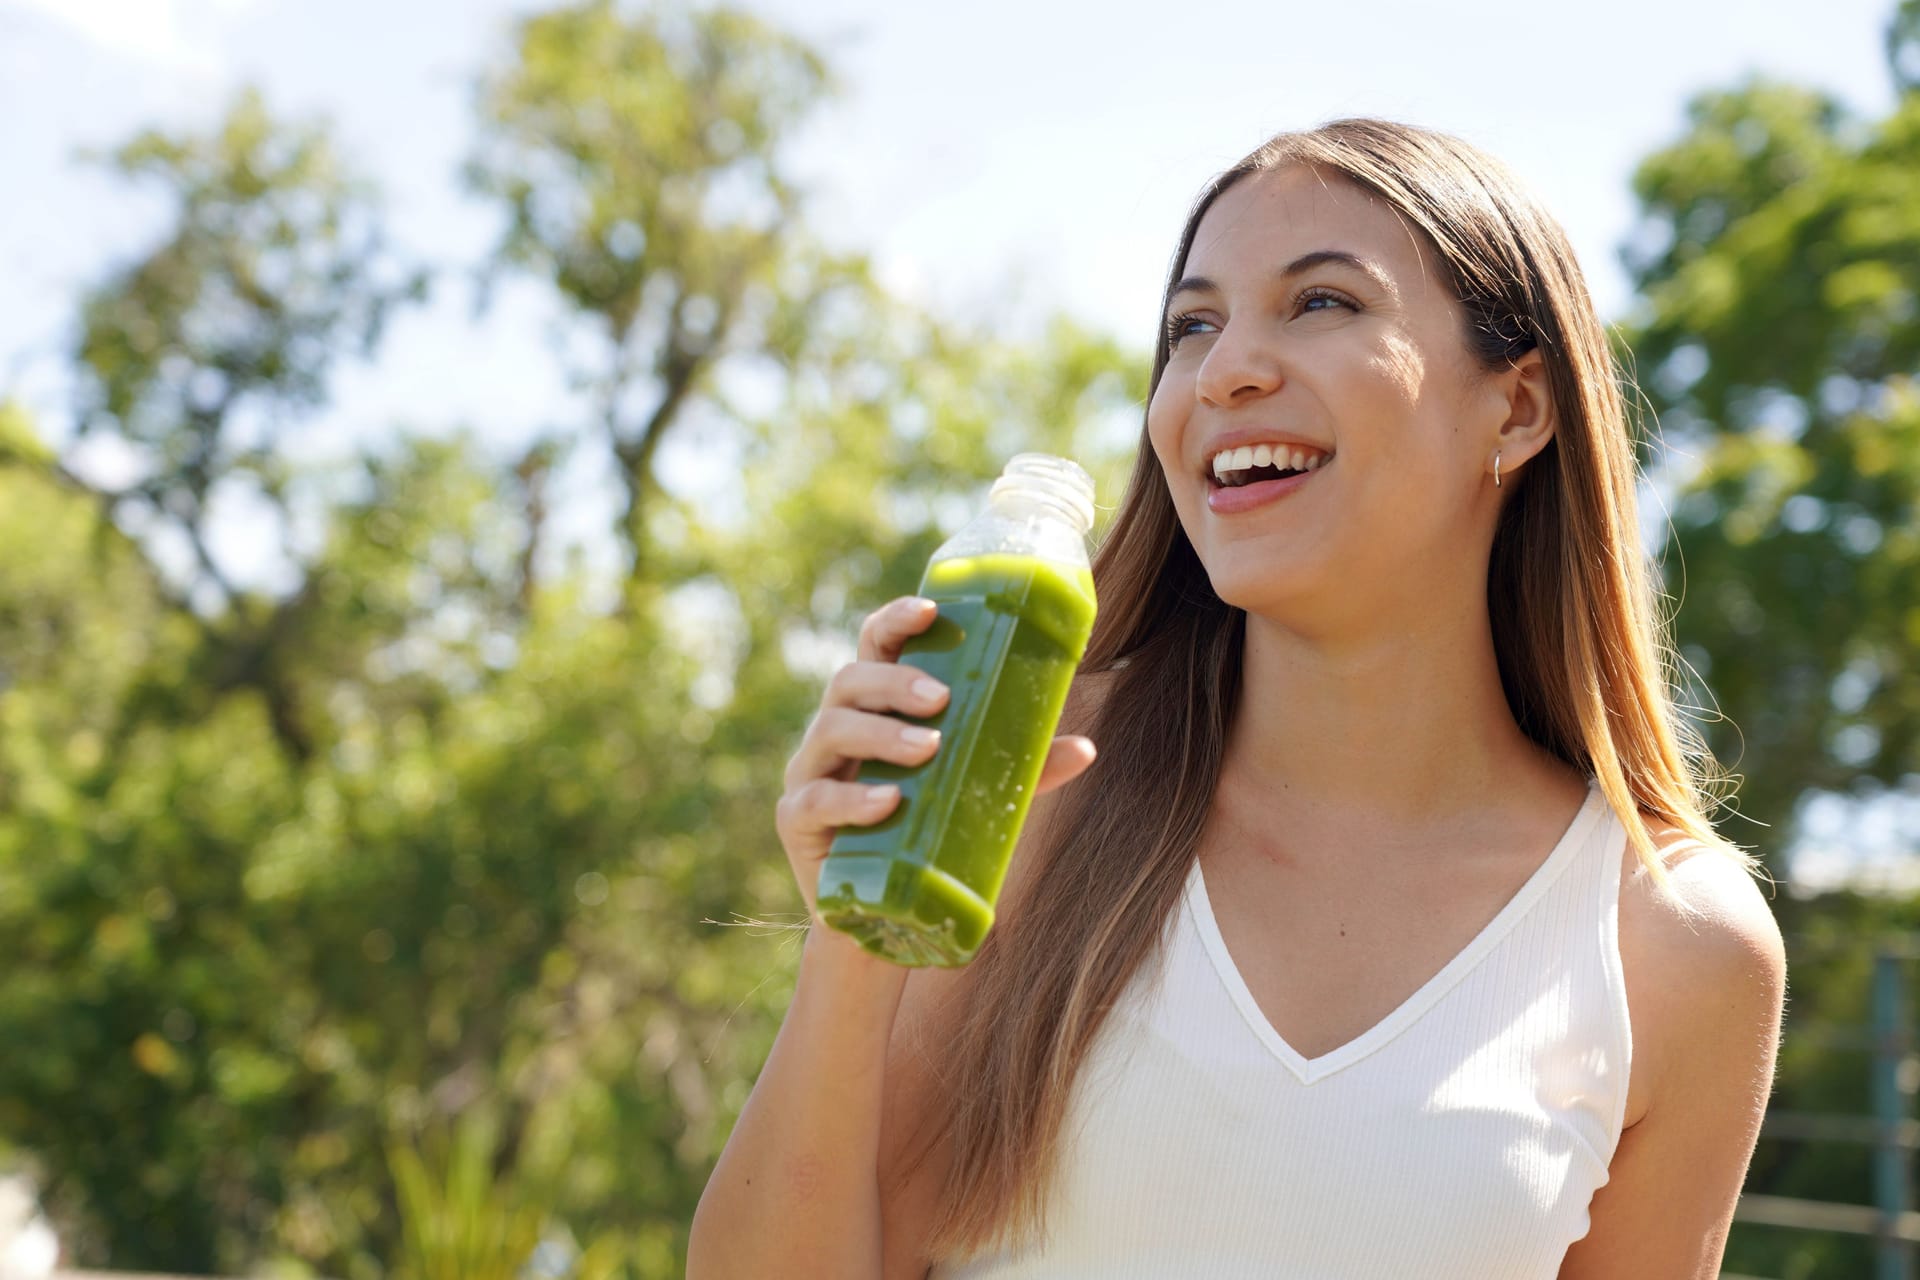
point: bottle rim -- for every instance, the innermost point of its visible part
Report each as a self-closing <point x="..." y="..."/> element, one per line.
<point x="1049" y="476"/>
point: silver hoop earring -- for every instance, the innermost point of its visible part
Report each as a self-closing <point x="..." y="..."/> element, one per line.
<point x="1496" y="468"/>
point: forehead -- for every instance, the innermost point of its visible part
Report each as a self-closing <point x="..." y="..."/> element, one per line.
<point x="1269" y="219"/>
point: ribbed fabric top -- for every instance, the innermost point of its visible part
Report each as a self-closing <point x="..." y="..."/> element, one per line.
<point x="1461" y="1138"/>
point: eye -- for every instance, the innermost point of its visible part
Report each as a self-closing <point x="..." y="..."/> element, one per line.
<point x="1318" y="294"/>
<point x="1177" y="327"/>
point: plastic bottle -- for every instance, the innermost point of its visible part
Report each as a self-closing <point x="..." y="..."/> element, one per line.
<point x="1016" y="606"/>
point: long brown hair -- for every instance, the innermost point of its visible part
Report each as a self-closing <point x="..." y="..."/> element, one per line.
<point x="1583" y="651"/>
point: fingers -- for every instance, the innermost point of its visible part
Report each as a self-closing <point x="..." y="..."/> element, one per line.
<point x="1067" y="759"/>
<point x="841" y="737"/>
<point x="891" y="625"/>
<point x="808" y="817"/>
<point x="820" y="795"/>
<point x="885" y="686"/>
<point x="847" y="730"/>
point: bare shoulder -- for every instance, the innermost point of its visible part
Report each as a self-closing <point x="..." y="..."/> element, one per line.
<point x="1706" y="985"/>
<point x="1705" y="962"/>
<point x="1712" y="912"/>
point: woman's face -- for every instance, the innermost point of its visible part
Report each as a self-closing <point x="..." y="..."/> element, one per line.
<point x="1310" y="317"/>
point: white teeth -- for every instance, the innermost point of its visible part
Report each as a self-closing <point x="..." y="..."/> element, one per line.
<point x="1228" y="461"/>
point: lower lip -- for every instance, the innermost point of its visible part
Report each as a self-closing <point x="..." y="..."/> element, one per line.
<point x="1224" y="500"/>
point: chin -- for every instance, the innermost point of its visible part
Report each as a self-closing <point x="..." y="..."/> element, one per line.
<point x="1258" y="588"/>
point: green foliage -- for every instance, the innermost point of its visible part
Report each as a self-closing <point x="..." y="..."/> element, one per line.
<point x="466" y="1229"/>
<point x="638" y="161"/>
<point x="436" y="839"/>
<point x="459" y="1221"/>
<point x="433" y="832"/>
<point x="198" y="354"/>
<point x="629" y="150"/>
<point x="1777" y="336"/>
<point x="1830" y="959"/>
<point x="19" y="441"/>
<point x="1903" y="46"/>
<point x="163" y="1087"/>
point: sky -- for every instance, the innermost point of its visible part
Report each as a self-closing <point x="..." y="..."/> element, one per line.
<point x="1023" y="157"/>
<point x="1000" y="162"/>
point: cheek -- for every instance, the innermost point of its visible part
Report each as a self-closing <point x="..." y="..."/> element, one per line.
<point x="1401" y="370"/>
<point x="1166" y="426"/>
<point x="1164" y="418"/>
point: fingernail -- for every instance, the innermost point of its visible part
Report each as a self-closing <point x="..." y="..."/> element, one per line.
<point x="886" y="791"/>
<point x="929" y="688"/>
<point x="916" y="736"/>
<point x="918" y="604"/>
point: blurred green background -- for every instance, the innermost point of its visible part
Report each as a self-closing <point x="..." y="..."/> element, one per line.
<point x="389" y="919"/>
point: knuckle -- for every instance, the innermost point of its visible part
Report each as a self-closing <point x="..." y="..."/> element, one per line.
<point x="848" y="680"/>
<point x="815" y="796"/>
<point x="794" y="778"/>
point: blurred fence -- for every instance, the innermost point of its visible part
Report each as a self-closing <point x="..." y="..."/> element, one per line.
<point x="1891" y="1130"/>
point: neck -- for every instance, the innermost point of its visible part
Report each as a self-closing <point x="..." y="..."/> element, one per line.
<point x="1398" y="728"/>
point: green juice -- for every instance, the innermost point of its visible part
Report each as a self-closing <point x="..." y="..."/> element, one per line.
<point x="918" y="887"/>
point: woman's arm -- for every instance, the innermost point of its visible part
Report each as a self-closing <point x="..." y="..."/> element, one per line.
<point x="796" y="1191"/>
<point x="1712" y="981"/>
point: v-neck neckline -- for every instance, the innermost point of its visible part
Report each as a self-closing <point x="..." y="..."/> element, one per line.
<point x="1309" y="1070"/>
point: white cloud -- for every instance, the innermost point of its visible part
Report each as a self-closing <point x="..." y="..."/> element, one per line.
<point x="179" y="35"/>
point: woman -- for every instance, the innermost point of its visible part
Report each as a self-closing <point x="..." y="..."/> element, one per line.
<point x="1390" y="937"/>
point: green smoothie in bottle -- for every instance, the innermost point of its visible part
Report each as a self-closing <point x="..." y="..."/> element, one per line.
<point x="1016" y="607"/>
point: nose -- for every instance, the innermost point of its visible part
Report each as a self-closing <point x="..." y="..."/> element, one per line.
<point x="1237" y="367"/>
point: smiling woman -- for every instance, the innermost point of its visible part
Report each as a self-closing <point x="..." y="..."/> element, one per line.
<point x="1389" y="935"/>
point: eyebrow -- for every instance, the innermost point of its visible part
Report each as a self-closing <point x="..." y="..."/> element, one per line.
<point x="1305" y="262"/>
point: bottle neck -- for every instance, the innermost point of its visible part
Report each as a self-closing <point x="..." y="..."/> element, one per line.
<point x="1027" y="501"/>
<point x="1046" y="482"/>
<point x="1021" y="520"/>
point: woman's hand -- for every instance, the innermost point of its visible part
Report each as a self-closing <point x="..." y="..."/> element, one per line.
<point x="854" y="724"/>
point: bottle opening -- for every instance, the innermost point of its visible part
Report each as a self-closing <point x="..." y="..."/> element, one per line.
<point x="1058" y="481"/>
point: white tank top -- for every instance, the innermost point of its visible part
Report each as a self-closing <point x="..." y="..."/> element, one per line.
<point x="1459" y="1139"/>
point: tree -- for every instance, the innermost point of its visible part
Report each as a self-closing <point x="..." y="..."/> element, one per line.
<point x="1778" y="335"/>
<point x="199" y="356"/>
<point x="202" y="353"/>
<point x="1778" y="332"/>
<point x="639" y="164"/>
<point x="295" y="877"/>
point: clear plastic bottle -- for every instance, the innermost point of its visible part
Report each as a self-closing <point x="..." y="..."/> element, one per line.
<point x="1016" y="606"/>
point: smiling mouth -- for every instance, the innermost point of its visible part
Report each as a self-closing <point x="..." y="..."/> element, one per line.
<point x="1254" y="475"/>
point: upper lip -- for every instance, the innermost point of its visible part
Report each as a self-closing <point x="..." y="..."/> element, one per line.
<point x="1240" y="436"/>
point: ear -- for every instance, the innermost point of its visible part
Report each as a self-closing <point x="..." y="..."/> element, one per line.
<point x="1525" y="399"/>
